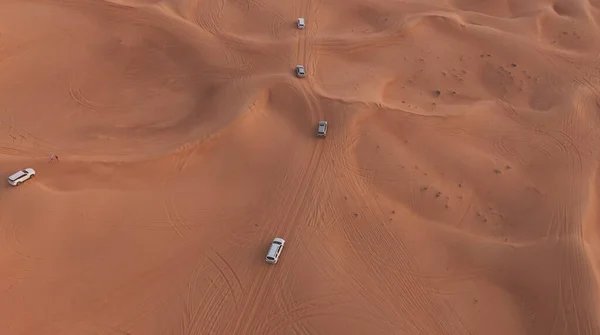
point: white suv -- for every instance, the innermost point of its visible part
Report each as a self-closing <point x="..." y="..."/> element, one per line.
<point x="19" y="177"/>
<point x="300" y="71"/>
<point x="275" y="250"/>
<point x="322" y="129"/>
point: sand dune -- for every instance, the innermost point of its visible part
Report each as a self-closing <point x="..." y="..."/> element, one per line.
<point x="456" y="191"/>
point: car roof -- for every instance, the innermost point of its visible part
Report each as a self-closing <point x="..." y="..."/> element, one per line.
<point x="17" y="174"/>
<point x="273" y="249"/>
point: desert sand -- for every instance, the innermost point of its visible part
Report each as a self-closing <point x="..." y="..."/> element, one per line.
<point x="455" y="193"/>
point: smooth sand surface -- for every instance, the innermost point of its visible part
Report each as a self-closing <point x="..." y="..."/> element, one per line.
<point x="456" y="191"/>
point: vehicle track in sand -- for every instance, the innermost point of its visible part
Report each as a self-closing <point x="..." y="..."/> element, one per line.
<point x="575" y="274"/>
<point x="208" y="16"/>
<point x="573" y="286"/>
<point x="12" y="240"/>
<point x="298" y="203"/>
<point x="262" y="281"/>
<point x="502" y="149"/>
<point x="204" y="314"/>
<point x="369" y="209"/>
<point x="288" y="207"/>
<point x="180" y="227"/>
<point x="227" y="272"/>
<point x="194" y="315"/>
<point x="80" y="98"/>
<point x="311" y="307"/>
<point x="301" y="48"/>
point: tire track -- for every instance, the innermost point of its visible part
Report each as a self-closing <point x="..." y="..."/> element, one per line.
<point x="297" y="203"/>
<point x="556" y="222"/>
<point x="345" y="151"/>
<point x="271" y="9"/>
<point x="80" y="98"/>
<point x="310" y="307"/>
<point x="564" y="225"/>
<point x="11" y="238"/>
<point x="244" y="6"/>
<point x="576" y="268"/>
<point x="306" y="16"/>
<point x="334" y="214"/>
<point x="332" y="45"/>
<point x="77" y="96"/>
<point x="298" y="319"/>
<point x="320" y="211"/>
<point x="285" y="302"/>
<point x="299" y="48"/>
<point x="231" y="283"/>
<point x="184" y="159"/>
<point x="202" y="317"/>
<point x="512" y="114"/>
<point x="305" y="184"/>
<point x="573" y="126"/>
<point x="582" y="267"/>
<point x="373" y="212"/>
<point x="311" y="210"/>
<point x="261" y="280"/>
<point x="172" y="213"/>
<point x="173" y="223"/>
<point x="500" y="148"/>
<point x="211" y="311"/>
<point x="311" y="57"/>
<point x="584" y="287"/>
<point x="570" y="147"/>
<point x="186" y="153"/>
<point x="45" y="145"/>
<point x="302" y="57"/>
<point x="13" y="151"/>
<point x="290" y="226"/>
<point x="147" y="309"/>
<point x="274" y="26"/>
<point x="573" y="295"/>
<point x="192" y="313"/>
<point x="311" y="99"/>
<point x="251" y="303"/>
<point x="213" y="11"/>
<point x="303" y="52"/>
<point x="559" y="303"/>
<point x="567" y="294"/>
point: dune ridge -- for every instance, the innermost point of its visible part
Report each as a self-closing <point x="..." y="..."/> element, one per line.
<point x="456" y="191"/>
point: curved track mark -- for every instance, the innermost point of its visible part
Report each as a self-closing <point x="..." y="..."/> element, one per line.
<point x="225" y="277"/>
<point x="241" y="325"/>
<point x="11" y="238"/>
<point x="309" y="306"/>
<point x="78" y="97"/>
<point x="171" y="212"/>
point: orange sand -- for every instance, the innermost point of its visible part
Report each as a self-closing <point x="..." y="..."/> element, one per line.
<point x="187" y="145"/>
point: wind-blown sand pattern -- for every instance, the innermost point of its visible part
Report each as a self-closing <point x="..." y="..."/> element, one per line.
<point x="456" y="191"/>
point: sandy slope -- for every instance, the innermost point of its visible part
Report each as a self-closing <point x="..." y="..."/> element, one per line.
<point x="456" y="193"/>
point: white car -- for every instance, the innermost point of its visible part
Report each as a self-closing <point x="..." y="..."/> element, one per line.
<point x="19" y="177"/>
<point x="275" y="250"/>
<point x="322" y="129"/>
<point x="300" y="23"/>
<point x="300" y="71"/>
